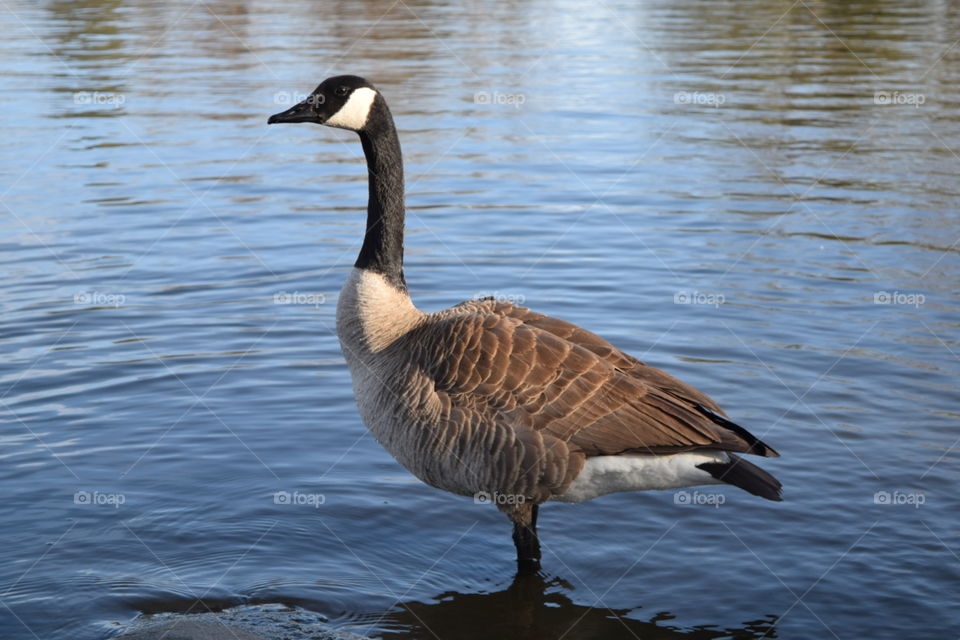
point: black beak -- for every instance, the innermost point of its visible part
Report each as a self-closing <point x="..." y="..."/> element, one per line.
<point x="302" y="112"/>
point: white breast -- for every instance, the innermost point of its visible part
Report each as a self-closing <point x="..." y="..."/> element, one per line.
<point x="610" y="474"/>
<point x="371" y="315"/>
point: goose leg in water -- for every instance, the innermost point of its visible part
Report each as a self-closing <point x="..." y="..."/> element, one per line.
<point x="525" y="538"/>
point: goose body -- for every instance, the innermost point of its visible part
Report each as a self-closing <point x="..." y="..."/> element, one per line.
<point x="489" y="398"/>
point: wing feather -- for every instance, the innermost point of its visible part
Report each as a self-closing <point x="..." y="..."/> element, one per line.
<point x="560" y="382"/>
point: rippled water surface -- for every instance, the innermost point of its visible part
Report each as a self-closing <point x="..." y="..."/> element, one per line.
<point x="759" y="197"/>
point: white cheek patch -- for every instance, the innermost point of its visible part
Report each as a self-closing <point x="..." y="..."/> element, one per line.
<point x="353" y="115"/>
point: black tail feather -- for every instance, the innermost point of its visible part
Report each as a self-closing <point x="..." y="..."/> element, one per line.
<point x="757" y="446"/>
<point x="745" y="475"/>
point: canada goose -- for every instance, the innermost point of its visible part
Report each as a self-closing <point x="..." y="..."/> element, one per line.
<point x="492" y="400"/>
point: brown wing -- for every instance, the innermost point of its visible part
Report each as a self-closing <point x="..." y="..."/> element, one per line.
<point x="597" y="345"/>
<point x="552" y="377"/>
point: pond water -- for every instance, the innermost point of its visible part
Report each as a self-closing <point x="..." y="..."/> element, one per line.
<point x="759" y="197"/>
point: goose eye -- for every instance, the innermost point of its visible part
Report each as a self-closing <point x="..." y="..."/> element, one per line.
<point x="342" y="91"/>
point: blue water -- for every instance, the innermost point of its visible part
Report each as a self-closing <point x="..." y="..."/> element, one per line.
<point x="759" y="197"/>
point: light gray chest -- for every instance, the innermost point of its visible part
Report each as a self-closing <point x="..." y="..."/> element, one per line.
<point x="372" y="316"/>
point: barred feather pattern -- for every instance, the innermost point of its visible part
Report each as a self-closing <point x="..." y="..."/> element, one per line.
<point x="490" y="396"/>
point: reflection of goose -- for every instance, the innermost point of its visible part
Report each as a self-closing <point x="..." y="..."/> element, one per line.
<point x="534" y="608"/>
<point x="493" y="400"/>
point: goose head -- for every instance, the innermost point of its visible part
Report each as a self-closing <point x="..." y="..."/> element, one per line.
<point x="345" y="102"/>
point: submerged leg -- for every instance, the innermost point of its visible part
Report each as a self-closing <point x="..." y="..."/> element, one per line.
<point x="525" y="538"/>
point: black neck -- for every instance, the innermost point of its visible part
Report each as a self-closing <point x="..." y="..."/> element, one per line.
<point x="382" y="250"/>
